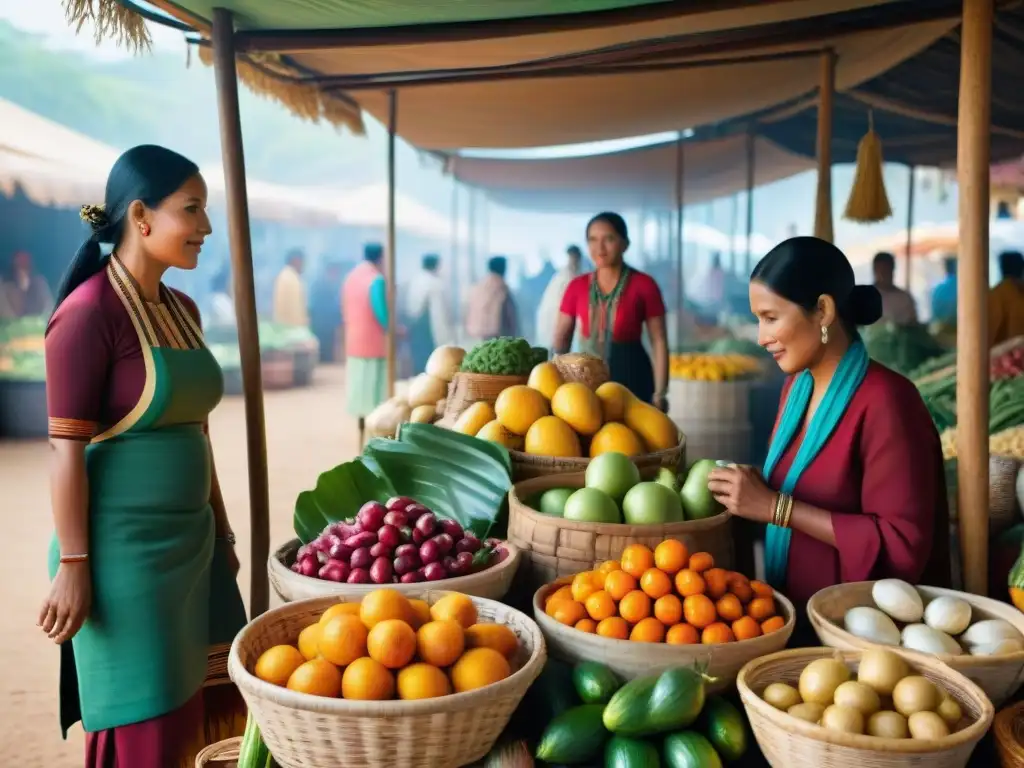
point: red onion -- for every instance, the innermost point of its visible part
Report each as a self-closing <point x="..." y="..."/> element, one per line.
<point x="380" y="549"/>
<point x="464" y="562"/>
<point x="430" y="552"/>
<point x="340" y="551"/>
<point x="426" y="524"/>
<point x="468" y="543"/>
<point x="412" y="577"/>
<point x="358" y="576"/>
<point x="444" y="543"/>
<point x="335" y="570"/>
<point x="308" y="566"/>
<point x="396" y="518"/>
<point x="452" y="528"/>
<point x="361" y="558"/>
<point x="413" y="511"/>
<point x="380" y="571"/>
<point x="405" y="563"/>
<point x="434" y="572"/>
<point x="371" y="515"/>
<point x="408" y="549"/>
<point x="365" y="539"/>
<point x="417" y="537"/>
<point x="390" y="535"/>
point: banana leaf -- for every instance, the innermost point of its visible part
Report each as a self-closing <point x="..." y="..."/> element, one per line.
<point x="338" y="495"/>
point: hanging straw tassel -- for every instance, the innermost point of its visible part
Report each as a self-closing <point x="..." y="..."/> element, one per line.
<point x="868" y="201"/>
<point x="111" y="21"/>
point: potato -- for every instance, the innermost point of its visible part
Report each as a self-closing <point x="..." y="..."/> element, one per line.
<point x="888" y="725"/>
<point x="927" y="725"/>
<point x="810" y="712"/>
<point x="781" y="696"/>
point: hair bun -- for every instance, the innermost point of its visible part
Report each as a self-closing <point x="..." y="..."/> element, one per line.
<point x="865" y="304"/>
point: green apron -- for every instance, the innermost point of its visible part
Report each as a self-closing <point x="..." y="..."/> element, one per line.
<point x="164" y="595"/>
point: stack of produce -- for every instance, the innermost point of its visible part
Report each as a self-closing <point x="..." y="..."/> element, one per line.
<point x="664" y="719"/>
<point x="1006" y="409"/>
<point x="613" y="492"/>
<point x="666" y="596"/>
<point x="549" y="416"/>
<point x="714" y="367"/>
<point x="503" y="356"/>
<point x="944" y="626"/>
<point x="21" y="349"/>
<point x="397" y="542"/>
<point x="903" y="348"/>
<point x="388" y="647"/>
<point x="883" y="699"/>
<point x="424" y="400"/>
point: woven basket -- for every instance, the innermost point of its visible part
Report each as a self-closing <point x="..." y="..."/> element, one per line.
<point x="788" y="742"/>
<point x="526" y="465"/>
<point x="585" y="369"/>
<point x="492" y="583"/>
<point x="304" y="731"/>
<point x="553" y="547"/>
<point x="468" y="388"/>
<point x="1002" y="502"/>
<point x="998" y="676"/>
<point x="223" y="754"/>
<point x="277" y="369"/>
<point x="1008" y="730"/>
<point x="630" y="659"/>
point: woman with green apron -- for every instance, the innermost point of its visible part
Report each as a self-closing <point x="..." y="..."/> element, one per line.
<point x="612" y="305"/>
<point x="143" y="602"/>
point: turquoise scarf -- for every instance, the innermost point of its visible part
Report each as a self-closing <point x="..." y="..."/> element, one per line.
<point x="841" y="389"/>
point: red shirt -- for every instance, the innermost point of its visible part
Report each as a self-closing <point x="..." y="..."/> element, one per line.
<point x="640" y="301"/>
<point x="881" y="476"/>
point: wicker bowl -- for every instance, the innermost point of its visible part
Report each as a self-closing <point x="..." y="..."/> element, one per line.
<point x="526" y="465"/>
<point x="492" y="583"/>
<point x="631" y="659"/>
<point x="1008" y="730"/>
<point x="468" y="388"/>
<point x="554" y="547"/>
<point x="304" y="731"/>
<point x="998" y="676"/>
<point x="223" y="754"/>
<point x="787" y="741"/>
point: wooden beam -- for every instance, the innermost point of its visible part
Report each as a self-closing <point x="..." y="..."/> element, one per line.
<point x="823" y="198"/>
<point x="389" y="260"/>
<point x="245" y="307"/>
<point x="972" y="347"/>
<point x="751" y="167"/>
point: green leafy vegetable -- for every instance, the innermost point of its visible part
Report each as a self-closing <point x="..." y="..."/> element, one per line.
<point x="504" y="356"/>
<point x="338" y="495"/>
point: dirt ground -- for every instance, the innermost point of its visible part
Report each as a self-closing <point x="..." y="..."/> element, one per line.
<point x="308" y="431"/>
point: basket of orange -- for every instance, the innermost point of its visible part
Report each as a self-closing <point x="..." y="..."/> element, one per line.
<point x="680" y="604"/>
<point x="385" y="680"/>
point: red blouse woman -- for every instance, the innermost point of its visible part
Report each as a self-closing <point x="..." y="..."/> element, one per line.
<point x="853" y="487"/>
<point x="611" y="306"/>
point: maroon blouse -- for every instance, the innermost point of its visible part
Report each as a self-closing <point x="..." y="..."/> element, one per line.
<point x="95" y="371"/>
<point x="881" y="476"/>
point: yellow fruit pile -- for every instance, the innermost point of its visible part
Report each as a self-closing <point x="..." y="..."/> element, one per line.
<point x="713" y="367"/>
<point x="551" y="417"/>
<point x="388" y="647"/>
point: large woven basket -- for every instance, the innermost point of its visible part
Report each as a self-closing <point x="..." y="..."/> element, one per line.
<point x="554" y="547"/>
<point x="223" y="754"/>
<point x="492" y="583"/>
<point x="1008" y="730"/>
<point x="788" y="742"/>
<point x="526" y="465"/>
<point x="998" y="676"/>
<point x="468" y="388"/>
<point x="304" y="731"/>
<point x="631" y="659"/>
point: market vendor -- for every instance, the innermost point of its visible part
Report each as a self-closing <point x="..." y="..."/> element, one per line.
<point x="613" y="305"/>
<point x="143" y="600"/>
<point x="854" y="487"/>
<point x="364" y="308"/>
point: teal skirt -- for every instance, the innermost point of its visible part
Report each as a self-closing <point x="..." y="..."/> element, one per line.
<point x="366" y="380"/>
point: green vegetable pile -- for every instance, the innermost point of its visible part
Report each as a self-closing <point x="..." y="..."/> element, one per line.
<point x="903" y="348"/>
<point x="1006" y="403"/>
<point x="22" y="355"/>
<point x="503" y="356"/>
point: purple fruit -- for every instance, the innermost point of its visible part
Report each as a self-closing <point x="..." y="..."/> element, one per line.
<point x="342" y="530"/>
<point x="444" y="543"/>
<point x="358" y="576"/>
<point x="430" y="552"/>
<point x="418" y="537"/>
<point x="405" y="563"/>
<point x="365" y="539"/>
<point x="452" y="528"/>
<point x="413" y="511"/>
<point x="412" y="577"/>
<point x="309" y="565"/>
<point x="361" y="558"/>
<point x="434" y="572"/>
<point x="319" y="544"/>
<point x="340" y="551"/>
<point x="450" y="566"/>
<point x="399" y="503"/>
<point x="390" y="535"/>
<point x="371" y="515"/>
<point x="396" y="518"/>
<point x="380" y="549"/>
<point x="335" y="570"/>
<point x="408" y="549"/>
<point x="500" y="555"/>
<point x="426" y="524"/>
<point x="464" y="562"/>
<point x="468" y="543"/>
<point x="380" y="571"/>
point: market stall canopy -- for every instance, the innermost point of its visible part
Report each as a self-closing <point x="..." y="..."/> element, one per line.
<point x="526" y="73"/>
<point x="368" y="207"/>
<point x="635" y="179"/>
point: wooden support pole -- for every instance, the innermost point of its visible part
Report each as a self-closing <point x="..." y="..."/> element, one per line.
<point x="454" y="266"/>
<point x="751" y="167"/>
<point x="823" y="199"/>
<point x="734" y="219"/>
<point x="972" y="358"/>
<point x="245" y="307"/>
<point x="680" y="280"/>
<point x="389" y="260"/>
<point x="910" y="222"/>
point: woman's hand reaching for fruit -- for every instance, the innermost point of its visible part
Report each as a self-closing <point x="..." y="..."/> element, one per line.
<point x="742" y="491"/>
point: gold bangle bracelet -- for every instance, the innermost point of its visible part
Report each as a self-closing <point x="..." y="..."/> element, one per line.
<point x="777" y="509"/>
<point x="787" y="510"/>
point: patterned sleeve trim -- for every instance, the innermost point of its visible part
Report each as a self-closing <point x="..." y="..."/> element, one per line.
<point x="72" y="429"/>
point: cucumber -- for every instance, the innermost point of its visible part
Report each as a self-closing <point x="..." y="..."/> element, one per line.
<point x="594" y="682"/>
<point x="725" y="726"/>
<point x="676" y="700"/>
<point x="626" y="714"/>
<point x="623" y="752"/>
<point x="575" y="736"/>
<point x="687" y="749"/>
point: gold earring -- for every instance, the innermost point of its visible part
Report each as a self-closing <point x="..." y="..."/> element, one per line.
<point x="824" y="334"/>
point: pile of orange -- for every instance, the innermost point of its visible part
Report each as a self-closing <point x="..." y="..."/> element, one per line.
<point x="388" y="646"/>
<point x="666" y="596"/>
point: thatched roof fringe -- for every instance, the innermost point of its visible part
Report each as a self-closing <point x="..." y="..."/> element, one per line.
<point x="112" y="21"/>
